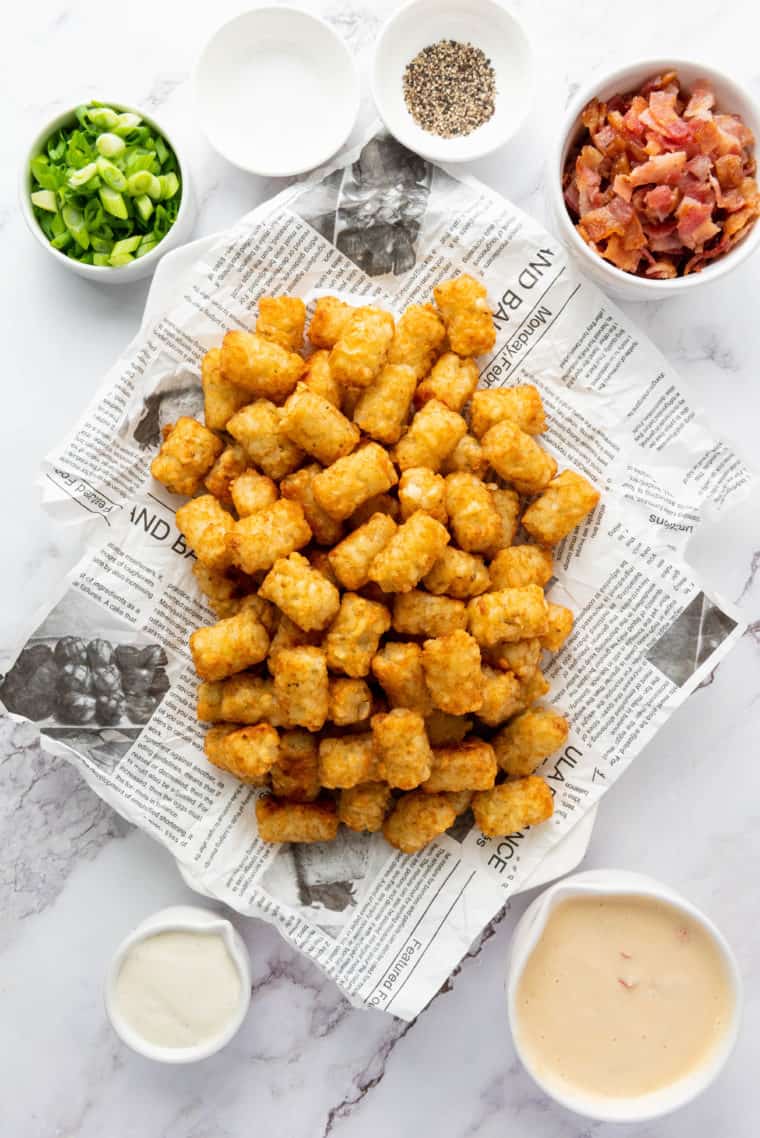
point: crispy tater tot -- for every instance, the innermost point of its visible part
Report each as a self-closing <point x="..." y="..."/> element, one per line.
<point x="559" y="625"/>
<point x="420" y="489"/>
<point x="509" y="614"/>
<point x="431" y="437"/>
<point x="295" y="775"/>
<point x="363" y="346"/>
<point x="252" y="491"/>
<point x="398" y="669"/>
<point x="247" y="752"/>
<point x="472" y="515"/>
<point x="512" y="806"/>
<point x="262" y="609"/>
<point x="470" y="765"/>
<point x="319" y="379"/>
<point x="443" y="729"/>
<point x="258" y="429"/>
<point x="299" y="487"/>
<point x="502" y="696"/>
<point x="534" y="688"/>
<point x="354" y="635"/>
<point x="248" y="699"/>
<point x="281" y="320"/>
<point x="345" y="484"/>
<point x="522" y="405"/>
<point x="300" y="685"/>
<point x="352" y="558"/>
<point x="378" y="504"/>
<point x="383" y="408"/>
<point x="363" y="807"/>
<point x="518" y="656"/>
<point x="418" y="337"/>
<point x="467" y="455"/>
<point x="221" y="399"/>
<point x="463" y="304"/>
<point x="530" y="738"/>
<point x="419" y="614"/>
<point x="416" y="819"/>
<point x="564" y="503"/>
<point x="319" y="559"/>
<point x="230" y="465"/>
<point x="350" y="701"/>
<point x="452" y="672"/>
<point x="404" y="754"/>
<point x="289" y="635"/>
<point x="330" y="318"/>
<point x="347" y="761"/>
<point x="300" y="592"/>
<point x="229" y="646"/>
<point x="188" y="452"/>
<point x="317" y="426"/>
<point x="208" y="708"/>
<point x="296" y="821"/>
<point x="213" y="743"/>
<point x="410" y="554"/>
<point x="507" y="506"/>
<point x="517" y="457"/>
<point x="521" y="565"/>
<point x="205" y="525"/>
<point x="452" y="381"/>
<point x="257" y="541"/>
<point x="457" y="574"/>
<point x="260" y="367"/>
<point x="459" y="799"/>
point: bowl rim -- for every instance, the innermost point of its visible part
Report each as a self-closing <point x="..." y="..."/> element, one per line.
<point x="438" y="150"/>
<point x="353" y="94"/>
<point x="122" y="272"/>
<point x="625" y="74"/>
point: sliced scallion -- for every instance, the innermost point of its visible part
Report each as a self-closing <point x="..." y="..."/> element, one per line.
<point x="113" y="203"/>
<point x="46" y="199"/>
<point x="109" y="145"/>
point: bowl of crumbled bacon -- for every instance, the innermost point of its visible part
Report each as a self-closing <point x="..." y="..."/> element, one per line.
<point x="653" y="182"/>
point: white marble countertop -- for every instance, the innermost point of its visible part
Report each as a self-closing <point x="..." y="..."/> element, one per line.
<point x="75" y="878"/>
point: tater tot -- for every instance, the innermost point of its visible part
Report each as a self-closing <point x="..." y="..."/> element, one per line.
<point x="452" y="381"/>
<point x="472" y="515"/>
<point x="521" y="565"/>
<point x="452" y="672"/>
<point x="351" y="559"/>
<point x="467" y="455"/>
<point x="459" y="799"/>
<point x="300" y="685"/>
<point x="299" y="487"/>
<point x="249" y="699"/>
<point x="319" y="559"/>
<point x="281" y="320"/>
<point x="518" y="656"/>
<point x="420" y="489"/>
<point x="530" y="738"/>
<point x="258" y="428"/>
<point x="419" y="614"/>
<point x="221" y="399"/>
<point x="431" y="437"/>
<point x="354" y="635"/>
<point x="443" y="729"/>
<point x="260" y="367"/>
<point x="289" y="635"/>
<point x="229" y="646"/>
<point x="350" y="701"/>
<point x="418" y="337"/>
<point x="295" y="775"/>
<point x="512" y="806"/>
<point x="534" y="688"/>
<point x="517" y="457"/>
<point x="410" y="554"/>
<point x="457" y="574"/>
<point x="188" y="452"/>
<point x="252" y="491"/>
<point x="463" y="304"/>
<point x="205" y="525"/>
<point x="208" y="708"/>
<point x="247" y="752"/>
<point x="404" y="756"/>
<point x="301" y="592"/>
<point x="521" y="405"/>
<point x="470" y="765"/>
<point x="559" y="625"/>
<point x="345" y="484"/>
<point x="317" y="426"/>
<point x="296" y="821"/>
<point x="330" y="318"/>
<point x="363" y="807"/>
<point x="416" y="819"/>
<point x="502" y="696"/>
<point x="363" y="346"/>
<point x="319" y="379"/>
<point x="398" y="669"/>
<point x="378" y="504"/>
<point x="261" y="609"/>
<point x="564" y="503"/>
<point x="509" y="614"/>
<point x="507" y="506"/>
<point x="383" y="408"/>
<point x="257" y="541"/>
<point x="347" y="761"/>
<point x="230" y="465"/>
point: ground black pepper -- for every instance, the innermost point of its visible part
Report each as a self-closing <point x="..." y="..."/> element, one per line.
<point x="450" y="88"/>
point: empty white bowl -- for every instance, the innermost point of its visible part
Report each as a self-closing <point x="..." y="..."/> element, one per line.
<point x="485" y="24"/>
<point x="277" y="91"/>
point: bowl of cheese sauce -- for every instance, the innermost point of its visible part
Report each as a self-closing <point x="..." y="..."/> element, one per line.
<point x="624" y="999"/>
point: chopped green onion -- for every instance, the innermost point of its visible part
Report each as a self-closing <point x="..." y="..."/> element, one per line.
<point x="169" y="185"/>
<point x="140" y="183"/>
<point x="148" y="247"/>
<point x="126" y="123"/>
<point x="127" y="245"/>
<point x="46" y="199"/>
<point x="101" y="259"/>
<point x="113" y="203"/>
<point x="101" y="244"/>
<point x="104" y="117"/>
<point x="82" y="175"/>
<point x="111" y="174"/>
<point x="62" y="240"/>
<point x="109" y="145"/>
<point x="74" y="222"/>
<point x="119" y="259"/>
<point x="143" y="205"/>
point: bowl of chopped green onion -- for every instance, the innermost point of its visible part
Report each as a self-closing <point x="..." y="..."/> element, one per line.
<point x="104" y="190"/>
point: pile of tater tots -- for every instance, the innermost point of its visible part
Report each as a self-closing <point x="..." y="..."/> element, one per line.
<point x="377" y="657"/>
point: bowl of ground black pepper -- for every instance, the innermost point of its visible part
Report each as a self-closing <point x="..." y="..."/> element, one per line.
<point x="453" y="79"/>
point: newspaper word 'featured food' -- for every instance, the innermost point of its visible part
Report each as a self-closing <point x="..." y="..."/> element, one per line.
<point x="376" y="661"/>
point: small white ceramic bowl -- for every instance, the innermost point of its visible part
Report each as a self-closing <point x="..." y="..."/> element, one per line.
<point x="135" y="270"/>
<point x="730" y="97"/>
<point x="180" y="918"/>
<point x="277" y="91"/>
<point x="486" y="24"/>
<point x="619" y="882"/>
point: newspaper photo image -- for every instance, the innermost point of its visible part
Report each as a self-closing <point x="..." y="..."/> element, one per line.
<point x="109" y="662"/>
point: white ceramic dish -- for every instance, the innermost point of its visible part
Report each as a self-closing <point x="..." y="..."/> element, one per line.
<point x="730" y="97"/>
<point x="486" y="24"/>
<point x="619" y="882"/>
<point x="178" y="234"/>
<point x="277" y="91"/>
<point x="180" y="918"/>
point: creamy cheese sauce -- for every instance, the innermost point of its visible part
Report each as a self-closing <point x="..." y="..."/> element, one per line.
<point x="178" y="989"/>
<point x="621" y="996"/>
